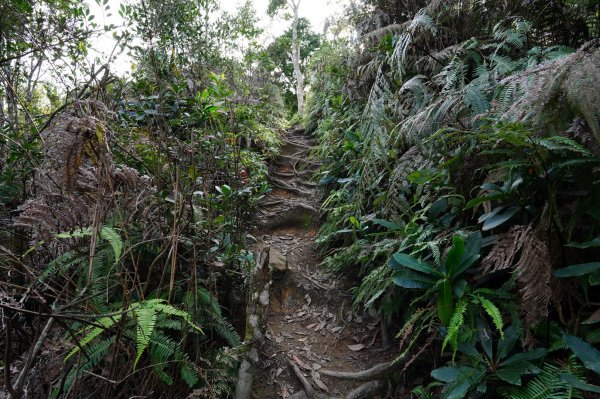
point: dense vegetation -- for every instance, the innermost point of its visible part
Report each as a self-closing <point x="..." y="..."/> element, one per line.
<point x="460" y="143"/>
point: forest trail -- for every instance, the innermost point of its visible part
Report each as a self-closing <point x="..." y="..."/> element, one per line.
<point x="310" y="320"/>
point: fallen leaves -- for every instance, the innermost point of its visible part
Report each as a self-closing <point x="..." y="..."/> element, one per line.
<point x="356" y="347"/>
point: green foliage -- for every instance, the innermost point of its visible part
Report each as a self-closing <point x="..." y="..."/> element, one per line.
<point x="435" y="126"/>
<point x="446" y="279"/>
<point x="548" y="384"/>
<point x="479" y="368"/>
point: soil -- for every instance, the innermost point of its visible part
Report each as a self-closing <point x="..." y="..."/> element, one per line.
<point x="311" y="321"/>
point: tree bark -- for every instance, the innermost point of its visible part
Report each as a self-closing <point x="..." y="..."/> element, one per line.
<point x="296" y="58"/>
<point x="256" y="323"/>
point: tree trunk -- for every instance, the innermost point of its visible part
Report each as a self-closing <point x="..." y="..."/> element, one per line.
<point x="256" y="323"/>
<point x="296" y="60"/>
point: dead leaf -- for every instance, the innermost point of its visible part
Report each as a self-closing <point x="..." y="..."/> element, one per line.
<point x="356" y="347"/>
<point x="336" y="329"/>
<point x="320" y="326"/>
<point x="311" y="326"/>
<point x="301" y="363"/>
<point x="316" y="377"/>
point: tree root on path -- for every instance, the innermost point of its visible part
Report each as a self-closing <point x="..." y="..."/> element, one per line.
<point x="366" y="391"/>
<point x="308" y="388"/>
<point x="285" y="184"/>
<point x="378" y="371"/>
<point x="292" y="189"/>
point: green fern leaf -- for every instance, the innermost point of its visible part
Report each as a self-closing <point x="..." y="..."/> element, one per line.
<point x="456" y="323"/>
<point x="114" y="239"/>
<point x="105" y="323"/>
<point x="145" y="323"/>
<point x="493" y="311"/>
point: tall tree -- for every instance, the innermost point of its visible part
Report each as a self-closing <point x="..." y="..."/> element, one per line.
<point x="280" y="62"/>
<point x="293" y="6"/>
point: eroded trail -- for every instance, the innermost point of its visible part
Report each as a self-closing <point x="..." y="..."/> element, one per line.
<point x="310" y="325"/>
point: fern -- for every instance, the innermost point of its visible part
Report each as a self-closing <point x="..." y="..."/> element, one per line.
<point x="93" y="332"/>
<point x="211" y="316"/>
<point x="166" y="352"/>
<point x="493" y="312"/>
<point x="548" y="385"/>
<point x="145" y="323"/>
<point x="96" y="352"/>
<point x="114" y="239"/>
<point x="62" y="264"/>
<point x="456" y="324"/>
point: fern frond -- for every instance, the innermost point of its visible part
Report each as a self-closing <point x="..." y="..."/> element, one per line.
<point x="456" y="323"/>
<point x="114" y="239"/>
<point x="62" y="264"/>
<point x="494" y="313"/>
<point x="145" y="323"/>
<point x="93" y="332"/>
<point x="548" y="385"/>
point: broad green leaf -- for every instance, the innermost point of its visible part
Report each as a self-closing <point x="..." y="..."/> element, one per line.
<point x="512" y="373"/>
<point x="438" y="207"/>
<point x="577" y="383"/>
<point x="450" y="374"/>
<point x="459" y="391"/>
<point x="401" y="259"/>
<point x="500" y="218"/>
<point x="454" y="255"/>
<point x="491" y="214"/>
<point x="524" y="357"/>
<point x="407" y="278"/>
<point x="473" y="245"/>
<point x="466" y="264"/>
<point x="578" y="270"/>
<point x="445" y="302"/>
<point x="507" y="343"/>
<point x="458" y="288"/>
<point x="491" y="187"/>
<point x="390" y="225"/>
<point x="589" y="355"/>
<point x="480" y="200"/>
<point x="585" y="245"/>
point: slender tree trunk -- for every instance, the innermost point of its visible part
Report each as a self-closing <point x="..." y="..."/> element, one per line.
<point x="296" y="59"/>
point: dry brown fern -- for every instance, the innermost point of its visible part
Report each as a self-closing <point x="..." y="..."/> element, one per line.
<point x="562" y="88"/>
<point x="522" y="251"/>
<point x="78" y="184"/>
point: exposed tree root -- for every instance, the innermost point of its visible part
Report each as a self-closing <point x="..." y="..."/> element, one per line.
<point x="381" y="370"/>
<point x="368" y="390"/>
<point x="297" y="144"/>
<point x="287" y="185"/>
<point x="308" y="388"/>
<point x="376" y="372"/>
<point x="291" y="189"/>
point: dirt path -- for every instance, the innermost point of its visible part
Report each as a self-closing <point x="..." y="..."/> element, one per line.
<point x="310" y="318"/>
